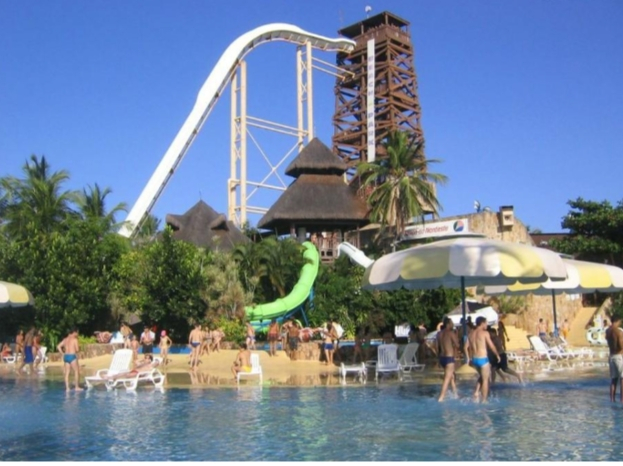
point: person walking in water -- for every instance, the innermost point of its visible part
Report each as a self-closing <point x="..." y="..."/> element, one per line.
<point x="194" y="342"/>
<point x="69" y="348"/>
<point x="448" y="346"/>
<point x="476" y="351"/>
<point x="614" y="337"/>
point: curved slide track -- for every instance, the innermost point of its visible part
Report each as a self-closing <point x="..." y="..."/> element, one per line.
<point x="356" y="255"/>
<point x="209" y="94"/>
<point x="298" y="295"/>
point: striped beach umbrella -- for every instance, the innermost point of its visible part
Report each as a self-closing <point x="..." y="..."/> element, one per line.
<point x="582" y="277"/>
<point x="462" y="262"/>
<point x="12" y="295"/>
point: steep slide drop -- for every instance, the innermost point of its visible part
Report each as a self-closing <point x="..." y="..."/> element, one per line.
<point x="298" y="295"/>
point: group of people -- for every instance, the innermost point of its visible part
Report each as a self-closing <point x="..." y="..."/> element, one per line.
<point x="27" y="347"/>
<point x="202" y="340"/>
<point x="484" y="349"/>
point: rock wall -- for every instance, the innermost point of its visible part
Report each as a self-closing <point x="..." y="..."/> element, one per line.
<point x="535" y="307"/>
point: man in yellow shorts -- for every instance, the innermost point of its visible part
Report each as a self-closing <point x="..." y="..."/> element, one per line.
<point x="242" y="363"/>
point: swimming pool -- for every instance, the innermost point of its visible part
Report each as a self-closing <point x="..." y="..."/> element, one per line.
<point x="552" y="420"/>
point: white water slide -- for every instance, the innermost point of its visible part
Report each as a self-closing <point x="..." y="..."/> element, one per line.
<point x="206" y="100"/>
<point x="355" y="254"/>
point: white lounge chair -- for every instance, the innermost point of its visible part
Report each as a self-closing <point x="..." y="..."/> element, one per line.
<point x="408" y="359"/>
<point x="542" y="349"/>
<point x="256" y="368"/>
<point x="387" y="360"/>
<point x="359" y="370"/>
<point x="132" y="380"/>
<point x="544" y="352"/>
<point x="121" y="363"/>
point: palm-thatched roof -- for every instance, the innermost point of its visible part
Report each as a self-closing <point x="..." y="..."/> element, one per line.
<point x="316" y="158"/>
<point x="202" y="226"/>
<point x="314" y="200"/>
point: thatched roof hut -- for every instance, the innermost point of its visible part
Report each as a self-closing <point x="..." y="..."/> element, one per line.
<point x="202" y="226"/>
<point x="319" y="199"/>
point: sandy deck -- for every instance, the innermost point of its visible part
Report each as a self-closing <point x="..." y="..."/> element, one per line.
<point x="215" y="371"/>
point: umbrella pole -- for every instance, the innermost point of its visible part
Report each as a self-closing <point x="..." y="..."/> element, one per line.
<point x="555" y="321"/>
<point x="464" y="316"/>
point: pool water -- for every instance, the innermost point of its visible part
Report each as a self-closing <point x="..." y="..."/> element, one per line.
<point x="551" y="420"/>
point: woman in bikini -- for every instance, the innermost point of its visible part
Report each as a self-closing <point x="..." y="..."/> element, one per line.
<point x="165" y="344"/>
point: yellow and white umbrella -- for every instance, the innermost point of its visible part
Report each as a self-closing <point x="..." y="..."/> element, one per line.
<point x="462" y="262"/>
<point x="12" y="295"/>
<point x="582" y="277"/>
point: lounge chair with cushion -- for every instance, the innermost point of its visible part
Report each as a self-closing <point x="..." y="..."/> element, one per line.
<point x="256" y="368"/>
<point x="121" y="363"/>
<point x="387" y="361"/>
<point x="131" y="380"/>
<point x="408" y="360"/>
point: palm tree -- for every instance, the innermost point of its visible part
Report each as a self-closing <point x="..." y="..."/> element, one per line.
<point x="36" y="202"/>
<point x="92" y="205"/>
<point x="402" y="186"/>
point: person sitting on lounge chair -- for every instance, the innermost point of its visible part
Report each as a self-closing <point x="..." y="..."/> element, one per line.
<point x="6" y="351"/>
<point x="242" y="363"/>
<point x="146" y="365"/>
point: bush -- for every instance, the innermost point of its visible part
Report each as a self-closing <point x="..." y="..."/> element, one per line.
<point x="235" y="330"/>
<point x="84" y="340"/>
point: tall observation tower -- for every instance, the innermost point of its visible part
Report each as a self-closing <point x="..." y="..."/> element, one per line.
<point x="378" y="91"/>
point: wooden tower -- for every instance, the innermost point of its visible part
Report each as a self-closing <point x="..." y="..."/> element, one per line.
<point x="377" y="93"/>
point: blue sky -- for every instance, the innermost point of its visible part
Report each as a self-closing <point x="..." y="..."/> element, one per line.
<point x="522" y="100"/>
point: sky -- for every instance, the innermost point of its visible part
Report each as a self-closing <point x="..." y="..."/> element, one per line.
<point x="522" y="100"/>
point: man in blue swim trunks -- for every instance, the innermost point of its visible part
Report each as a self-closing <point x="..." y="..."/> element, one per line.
<point x="69" y="348"/>
<point x="478" y="342"/>
<point x="448" y="346"/>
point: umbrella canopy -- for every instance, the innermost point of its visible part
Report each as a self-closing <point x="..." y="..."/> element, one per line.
<point x="461" y="262"/>
<point x="12" y="295"/>
<point x="582" y="277"/>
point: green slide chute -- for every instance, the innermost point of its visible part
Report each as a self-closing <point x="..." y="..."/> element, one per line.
<point x="298" y="295"/>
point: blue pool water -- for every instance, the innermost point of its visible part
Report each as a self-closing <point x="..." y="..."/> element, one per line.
<point x="545" y="420"/>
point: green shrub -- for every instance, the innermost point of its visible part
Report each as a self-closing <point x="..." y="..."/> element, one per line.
<point x="235" y="330"/>
<point x="84" y="340"/>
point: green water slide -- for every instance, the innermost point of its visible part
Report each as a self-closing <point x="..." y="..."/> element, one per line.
<point x="298" y="295"/>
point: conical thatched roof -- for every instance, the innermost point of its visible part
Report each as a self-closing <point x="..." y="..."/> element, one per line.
<point x="204" y="227"/>
<point x="316" y="158"/>
<point x="314" y="199"/>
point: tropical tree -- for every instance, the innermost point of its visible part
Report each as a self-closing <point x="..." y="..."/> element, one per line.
<point x="92" y="205"/>
<point x="37" y="202"/>
<point x="280" y="266"/>
<point x="224" y="294"/>
<point x="595" y="231"/>
<point x="149" y="228"/>
<point x="70" y="274"/>
<point x="163" y="282"/>
<point x="402" y="186"/>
